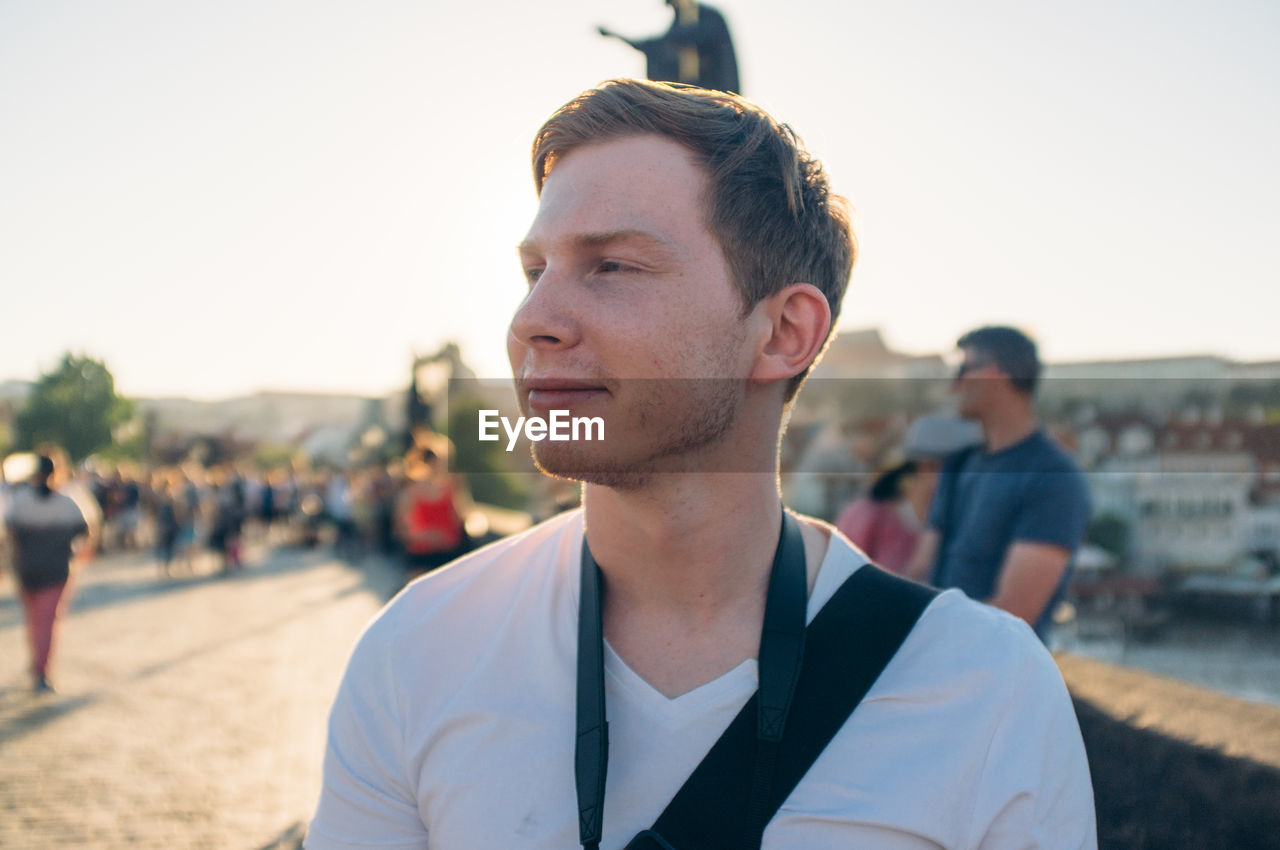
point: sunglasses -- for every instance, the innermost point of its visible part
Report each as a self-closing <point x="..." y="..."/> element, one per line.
<point x="968" y="366"/>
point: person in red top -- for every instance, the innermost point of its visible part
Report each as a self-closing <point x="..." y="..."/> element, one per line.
<point x="887" y="523"/>
<point x="431" y="511"/>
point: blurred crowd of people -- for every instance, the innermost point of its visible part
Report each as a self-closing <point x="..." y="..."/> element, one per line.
<point x="185" y="513"/>
<point x="193" y="519"/>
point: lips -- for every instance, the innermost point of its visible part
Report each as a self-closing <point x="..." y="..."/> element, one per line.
<point x="546" y="394"/>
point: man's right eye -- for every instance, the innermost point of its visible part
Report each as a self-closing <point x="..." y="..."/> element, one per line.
<point x="531" y="275"/>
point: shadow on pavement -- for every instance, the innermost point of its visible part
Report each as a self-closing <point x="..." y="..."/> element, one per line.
<point x="381" y="578"/>
<point x="371" y="582"/>
<point x="17" y="719"/>
<point x="290" y="839"/>
<point x="90" y="596"/>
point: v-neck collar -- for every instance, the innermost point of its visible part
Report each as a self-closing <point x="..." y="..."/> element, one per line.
<point x="734" y="687"/>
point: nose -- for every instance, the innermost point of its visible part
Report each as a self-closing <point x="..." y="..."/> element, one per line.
<point x="546" y="319"/>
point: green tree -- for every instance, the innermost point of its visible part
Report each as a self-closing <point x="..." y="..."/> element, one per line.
<point x="74" y="406"/>
<point x="273" y="456"/>
<point x="6" y="437"/>
<point x="485" y="465"/>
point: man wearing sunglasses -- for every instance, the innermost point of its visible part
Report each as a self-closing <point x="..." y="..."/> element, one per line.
<point x="1008" y="516"/>
<point x="575" y="685"/>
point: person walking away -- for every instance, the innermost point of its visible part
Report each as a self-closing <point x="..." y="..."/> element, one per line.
<point x="166" y="520"/>
<point x="339" y="504"/>
<point x="187" y="501"/>
<point x="224" y="536"/>
<point x="130" y="509"/>
<point x="42" y="525"/>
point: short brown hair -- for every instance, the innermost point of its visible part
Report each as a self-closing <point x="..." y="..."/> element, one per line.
<point x="769" y="204"/>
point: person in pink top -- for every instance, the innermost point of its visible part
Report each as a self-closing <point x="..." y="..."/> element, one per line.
<point x="887" y="522"/>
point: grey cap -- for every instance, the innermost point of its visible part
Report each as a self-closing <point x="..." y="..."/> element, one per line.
<point x="937" y="435"/>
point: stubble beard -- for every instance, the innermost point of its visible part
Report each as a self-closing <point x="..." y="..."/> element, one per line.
<point x="687" y="426"/>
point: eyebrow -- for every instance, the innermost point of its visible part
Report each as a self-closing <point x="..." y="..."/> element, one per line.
<point x="606" y="237"/>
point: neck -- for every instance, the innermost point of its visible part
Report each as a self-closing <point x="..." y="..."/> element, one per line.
<point x="689" y="544"/>
<point x="1010" y="424"/>
<point x="693" y="542"/>
<point x="686" y="557"/>
<point x="686" y="565"/>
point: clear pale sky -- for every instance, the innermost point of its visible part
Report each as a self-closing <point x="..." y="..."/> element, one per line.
<point x="217" y="198"/>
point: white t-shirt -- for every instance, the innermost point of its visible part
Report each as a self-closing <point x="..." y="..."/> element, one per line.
<point x="454" y="729"/>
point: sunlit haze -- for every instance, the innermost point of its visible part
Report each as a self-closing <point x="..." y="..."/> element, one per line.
<point x="217" y="198"/>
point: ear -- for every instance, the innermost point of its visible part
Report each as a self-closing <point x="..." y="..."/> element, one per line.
<point x="794" y="321"/>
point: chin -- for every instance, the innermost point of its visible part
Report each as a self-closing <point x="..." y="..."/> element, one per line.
<point x="630" y="467"/>
<point x="668" y="427"/>
<point x="572" y="463"/>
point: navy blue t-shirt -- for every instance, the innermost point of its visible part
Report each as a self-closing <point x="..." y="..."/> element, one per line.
<point x="1030" y="492"/>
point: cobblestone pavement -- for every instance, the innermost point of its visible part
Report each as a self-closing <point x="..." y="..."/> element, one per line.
<point x="191" y="711"/>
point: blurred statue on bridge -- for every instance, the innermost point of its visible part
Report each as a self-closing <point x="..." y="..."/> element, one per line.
<point x="428" y="386"/>
<point x="696" y="49"/>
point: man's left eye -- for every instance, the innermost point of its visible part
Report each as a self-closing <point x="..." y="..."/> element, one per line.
<point x="608" y="266"/>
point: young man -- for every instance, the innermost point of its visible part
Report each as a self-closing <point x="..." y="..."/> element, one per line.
<point x="684" y="267"/>
<point x="1009" y="516"/>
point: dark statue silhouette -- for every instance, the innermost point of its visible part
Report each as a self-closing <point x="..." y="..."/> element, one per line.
<point x="696" y="49"/>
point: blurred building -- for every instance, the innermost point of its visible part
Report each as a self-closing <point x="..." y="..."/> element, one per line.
<point x="1197" y="494"/>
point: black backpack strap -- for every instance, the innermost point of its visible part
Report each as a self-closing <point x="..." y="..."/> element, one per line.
<point x="847" y="646"/>
<point x="591" y="752"/>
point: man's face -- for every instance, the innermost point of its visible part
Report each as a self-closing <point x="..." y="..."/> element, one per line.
<point x="975" y="381"/>
<point x="631" y="314"/>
